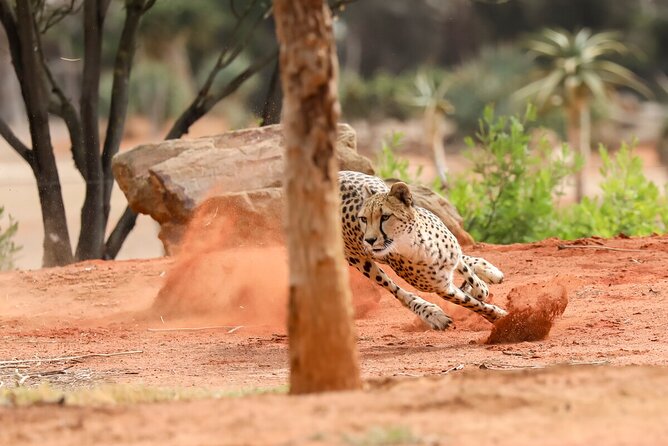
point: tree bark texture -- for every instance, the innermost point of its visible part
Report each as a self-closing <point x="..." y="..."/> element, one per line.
<point x="579" y="137"/>
<point x="57" y="249"/>
<point x="323" y="354"/>
<point x="91" y="237"/>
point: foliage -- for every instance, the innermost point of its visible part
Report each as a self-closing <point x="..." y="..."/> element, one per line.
<point x="629" y="203"/>
<point x="375" y="98"/>
<point x="389" y="165"/>
<point x="8" y="249"/>
<point x="509" y="195"/>
<point x="577" y="66"/>
<point x="430" y="90"/>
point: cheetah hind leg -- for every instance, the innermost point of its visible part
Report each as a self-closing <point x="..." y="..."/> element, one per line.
<point x="483" y="269"/>
<point x="474" y="269"/>
<point x="430" y="313"/>
<point x="472" y="284"/>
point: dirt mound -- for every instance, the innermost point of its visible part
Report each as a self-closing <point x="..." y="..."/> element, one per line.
<point x="532" y="310"/>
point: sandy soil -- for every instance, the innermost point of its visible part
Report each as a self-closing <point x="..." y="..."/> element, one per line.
<point x="599" y="377"/>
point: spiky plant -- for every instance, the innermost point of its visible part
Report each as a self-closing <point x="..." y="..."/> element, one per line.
<point x="575" y="70"/>
<point x="430" y="95"/>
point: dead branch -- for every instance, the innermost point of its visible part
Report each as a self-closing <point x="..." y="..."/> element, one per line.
<point x="13" y="140"/>
<point x="68" y="358"/>
<point x="230" y="328"/>
<point x="604" y="248"/>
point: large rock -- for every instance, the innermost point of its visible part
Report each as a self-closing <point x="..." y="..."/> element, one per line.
<point x="238" y="173"/>
<point x="236" y="176"/>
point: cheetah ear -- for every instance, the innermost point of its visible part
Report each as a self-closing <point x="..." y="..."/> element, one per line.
<point x="366" y="192"/>
<point x="401" y="192"/>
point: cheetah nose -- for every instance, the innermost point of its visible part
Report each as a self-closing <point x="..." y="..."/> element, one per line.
<point x="371" y="240"/>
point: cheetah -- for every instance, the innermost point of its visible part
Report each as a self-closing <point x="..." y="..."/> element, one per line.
<point x="382" y="225"/>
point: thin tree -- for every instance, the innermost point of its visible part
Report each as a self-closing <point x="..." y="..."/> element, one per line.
<point x="574" y="68"/>
<point x="25" y="24"/>
<point x="323" y="353"/>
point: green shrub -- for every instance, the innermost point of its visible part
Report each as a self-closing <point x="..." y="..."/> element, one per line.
<point x="389" y="165"/>
<point x="629" y="203"/>
<point x="8" y="249"/>
<point x="509" y="195"/>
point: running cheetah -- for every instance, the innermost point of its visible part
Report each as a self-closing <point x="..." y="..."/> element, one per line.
<point x="382" y="225"/>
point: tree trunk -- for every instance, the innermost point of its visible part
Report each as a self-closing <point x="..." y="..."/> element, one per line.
<point x="323" y="353"/>
<point x="585" y="142"/>
<point x="57" y="248"/>
<point x="120" y="96"/>
<point x="575" y="138"/>
<point x="433" y="123"/>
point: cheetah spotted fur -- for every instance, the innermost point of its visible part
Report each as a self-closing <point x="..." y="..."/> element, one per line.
<point x="382" y="225"/>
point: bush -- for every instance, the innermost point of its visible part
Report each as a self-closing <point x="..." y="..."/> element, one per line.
<point x="629" y="203"/>
<point x="509" y="195"/>
<point x="389" y="165"/>
<point x="8" y="249"/>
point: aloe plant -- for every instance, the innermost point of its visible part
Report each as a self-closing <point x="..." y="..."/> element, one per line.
<point x="430" y="95"/>
<point x="575" y="71"/>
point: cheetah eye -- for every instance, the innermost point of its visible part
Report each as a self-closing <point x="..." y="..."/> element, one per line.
<point x="384" y="217"/>
<point x="363" y="219"/>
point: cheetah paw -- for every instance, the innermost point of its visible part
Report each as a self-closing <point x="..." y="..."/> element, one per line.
<point x="488" y="272"/>
<point x="495" y="313"/>
<point x="433" y="316"/>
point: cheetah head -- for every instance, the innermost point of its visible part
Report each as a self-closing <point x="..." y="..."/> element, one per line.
<point x="387" y="219"/>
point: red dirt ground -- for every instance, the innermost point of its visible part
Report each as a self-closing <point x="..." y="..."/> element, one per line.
<point x="598" y="377"/>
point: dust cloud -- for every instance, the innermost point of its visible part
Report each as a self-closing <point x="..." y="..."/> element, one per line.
<point x="222" y="278"/>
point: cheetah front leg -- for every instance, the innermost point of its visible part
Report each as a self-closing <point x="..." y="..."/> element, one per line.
<point x="430" y="313"/>
<point x="453" y="294"/>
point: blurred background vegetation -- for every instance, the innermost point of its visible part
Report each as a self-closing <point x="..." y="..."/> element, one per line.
<point x="382" y="45"/>
<point x="426" y="68"/>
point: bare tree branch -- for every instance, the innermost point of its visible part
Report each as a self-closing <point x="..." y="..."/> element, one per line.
<point x="121" y="231"/>
<point x="135" y="9"/>
<point x="206" y="100"/>
<point x="55" y="15"/>
<point x="64" y="109"/>
<point x="16" y="143"/>
<point x="230" y="52"/>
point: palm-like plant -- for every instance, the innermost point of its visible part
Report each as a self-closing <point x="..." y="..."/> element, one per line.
<point x="430" y="95"/>
<point x="575" y="71"/>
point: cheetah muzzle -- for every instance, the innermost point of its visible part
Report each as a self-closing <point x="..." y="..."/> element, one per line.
<point x="383" y="225"/>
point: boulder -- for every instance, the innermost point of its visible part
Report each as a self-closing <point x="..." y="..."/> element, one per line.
<point x="238" y="173"/>
<point x="237" y="176"/>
